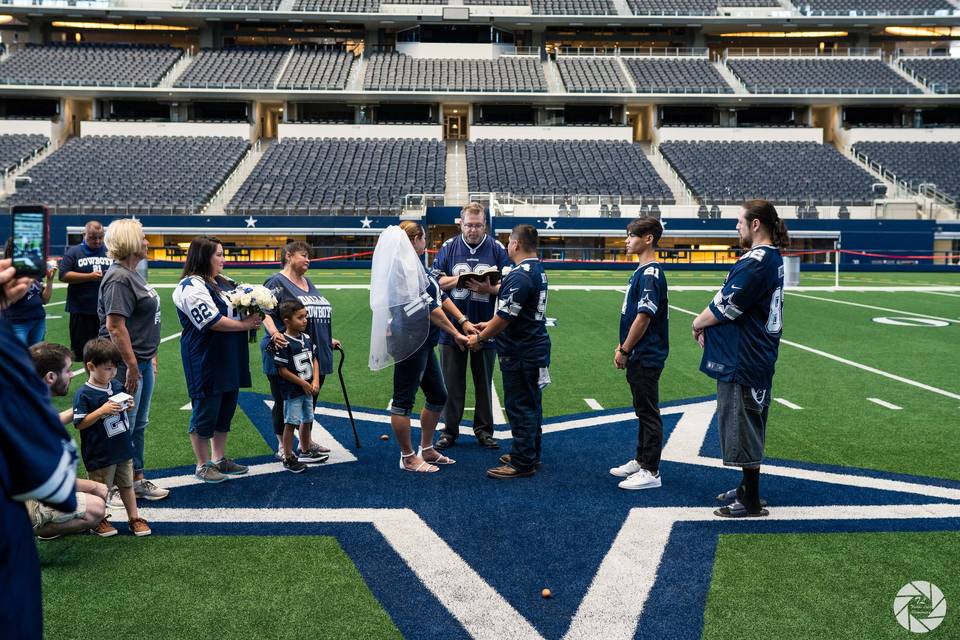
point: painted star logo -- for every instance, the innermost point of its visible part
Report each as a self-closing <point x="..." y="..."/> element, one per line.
<point x="365" y="223"/>
<point x="251" y="222"/>
<point x="471" y="555"/>
<point x="549" y="223"/>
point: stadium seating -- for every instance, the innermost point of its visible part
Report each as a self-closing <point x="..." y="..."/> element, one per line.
<point x="234" y="67"/>
<point x="871" y="7"/>
<point x="676" y="75"/>
<point x="673" y="7"/>
<point x="918" y="162"/>
<point x="399" y="72"/>
<point x="337" y="6"/>
<point x="788" y="173"/>
<point x="17" y="147"/>
<point x="498" y="3"/>
<point x="234" y="5"/>
<point x="341" y="175"/>
<point x="573" y="7"/>
<point x="413" y="1"/>
<point x="313" y="68"/>
<point x="561" y="167"/>
<point x="818" y="75"/>
<point x="592" y="75"/>
<point x="89" y="64"/>
<point x="117" y="174"/>
<point x="940" y="75"/>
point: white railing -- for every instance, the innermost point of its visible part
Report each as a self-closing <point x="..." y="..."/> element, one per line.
<point x="635" y="52"/>
<point x="801" y="52"/>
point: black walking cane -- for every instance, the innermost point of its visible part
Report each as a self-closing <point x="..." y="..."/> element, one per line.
<point x="343" y="387"/>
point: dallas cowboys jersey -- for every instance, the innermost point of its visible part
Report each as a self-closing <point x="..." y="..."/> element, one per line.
<point x="456" y="257"/>
<point x="29" y="307"/>
<point x="37" y="462"/>
<point x="214" y="362"/>
<point x="319" y="320"/>
<point x="297" y="358"/>
<point x="437" y="296"/>
<point x="82" y="296"/>
<point x="109" y="440"/>
<point x="523" y="303"/>
<point x="647" y="293"/>
<point x="743" y="347"/>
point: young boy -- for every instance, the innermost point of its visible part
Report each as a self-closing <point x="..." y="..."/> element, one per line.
<point x="299" y="383"/>
<point x="106" y="441"/>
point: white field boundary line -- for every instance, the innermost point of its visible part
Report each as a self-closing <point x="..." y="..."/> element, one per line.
<point x="885" y="404"/>
<point x="863" y="367"/>
<point x="53" y="304"/>
<point x="788" y="404"/>
<point x="172" y="336"/>
<point x="870" y="306"/>
<point x="681" y="288"/>
<point x="593" y="404"/>
<point x="942" y="293"/>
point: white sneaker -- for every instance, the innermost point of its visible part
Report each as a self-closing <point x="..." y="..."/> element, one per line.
<point x="113" y="499"/>
<point x="642" y="479"/>
<point x="280" y="454"/>
<point x="626" y="470"/>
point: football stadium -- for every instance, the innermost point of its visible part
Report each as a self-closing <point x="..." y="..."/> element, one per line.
<point x="317" y="128"/>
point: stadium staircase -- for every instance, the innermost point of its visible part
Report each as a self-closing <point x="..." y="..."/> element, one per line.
<point x="552" y="74"/>
<point x="357" y="71"/>
<point x="231" y="185"/>
<point x="906" y="76"/>
<point x="457" y="188"/>
<point x="175" y="71"/>
<point x="9" y="183"/>
<point x="730" y="77"/>
<point x="283" y="67"/>
<point x="626" y="74"/>
<point x="286" y="6"/>
<point x="622" y="8"/>
<point x="680" y="193"/>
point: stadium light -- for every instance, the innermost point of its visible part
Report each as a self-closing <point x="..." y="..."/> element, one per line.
<point x="923" y="32"/>
<point x="785" y="34"/>
<point x="112" y="26"/>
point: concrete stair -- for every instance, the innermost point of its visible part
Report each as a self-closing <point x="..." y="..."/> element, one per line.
<point x="232" y="184"/>
<point x="457" y="188"/>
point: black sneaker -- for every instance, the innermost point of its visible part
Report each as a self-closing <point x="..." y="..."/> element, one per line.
<point x="291" y="464"/>
<point x="445" y="442"/>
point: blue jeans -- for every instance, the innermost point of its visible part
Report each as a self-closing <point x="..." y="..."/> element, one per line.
<point x="139" y="416"/>
<point x="30" y="332"/>
<point x="419" y="370"/>
<point x="522" y="401"/>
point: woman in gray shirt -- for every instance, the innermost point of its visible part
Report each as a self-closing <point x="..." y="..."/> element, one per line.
<point x="129" y="311"/>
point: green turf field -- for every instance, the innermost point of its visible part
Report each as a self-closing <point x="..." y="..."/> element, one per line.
<point x="835" y="363"/>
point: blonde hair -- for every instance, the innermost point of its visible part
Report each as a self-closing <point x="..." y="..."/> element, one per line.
<point x="473" y="209"/>
<point x="123" y="238"/>
<point x="412" y="229"/>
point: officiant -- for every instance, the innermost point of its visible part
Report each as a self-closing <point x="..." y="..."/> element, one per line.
<point x="473" y="251"/>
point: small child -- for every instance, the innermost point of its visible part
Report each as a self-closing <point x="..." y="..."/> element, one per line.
<point x="106" y="440"/>
<point x="299" y="383"/>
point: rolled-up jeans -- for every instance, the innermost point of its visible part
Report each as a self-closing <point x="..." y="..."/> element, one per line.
<point x="523" y="403"/>
<point x="139" y="415"/>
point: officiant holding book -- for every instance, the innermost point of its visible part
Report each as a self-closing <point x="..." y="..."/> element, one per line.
<point x="480" y="255"/>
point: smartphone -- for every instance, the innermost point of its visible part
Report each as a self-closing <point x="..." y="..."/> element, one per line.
<point x="29" y="230"/>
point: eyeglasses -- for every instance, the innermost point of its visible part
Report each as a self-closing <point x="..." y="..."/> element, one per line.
<point x="474" y="225"/>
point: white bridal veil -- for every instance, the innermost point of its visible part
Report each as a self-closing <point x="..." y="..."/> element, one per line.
<point x="398" y="300"/>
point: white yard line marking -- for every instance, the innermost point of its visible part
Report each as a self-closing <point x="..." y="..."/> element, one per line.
<point x="77" y="372"/>
<point x="187" y="407"/>
<point x="942" y="293"/>
<point x="885" y="404"/>
<point x="870" y="306"/>
<point x="593" y="404"/>
<point x="498" y="416"/>
<point x="863" y="367"/>
<point x="53" y="304"/>
<point x="788" y="404"/>
<point x="52" y="317"/>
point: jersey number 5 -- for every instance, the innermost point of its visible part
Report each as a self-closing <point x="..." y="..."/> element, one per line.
<point x="304" y="365"/>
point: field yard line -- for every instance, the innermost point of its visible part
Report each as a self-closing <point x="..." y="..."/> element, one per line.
<point x="879" y="372"/>
<point x="593" y="404"/>
<point x="53" y="304"/>
<point x="869" y="306"/>
<point x="885" y="404"/>
<point x="942" y="293"/>
<point x="498" y="415"/>
<point x="76" y="372"/>
<point x="788" y="404"/>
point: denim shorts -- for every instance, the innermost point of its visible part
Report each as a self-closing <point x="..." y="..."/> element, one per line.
<point x="298" y="410"/>
<point x="742" y="418"/>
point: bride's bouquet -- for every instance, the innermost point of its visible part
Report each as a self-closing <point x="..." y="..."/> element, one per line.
<point x="249" y="299"/>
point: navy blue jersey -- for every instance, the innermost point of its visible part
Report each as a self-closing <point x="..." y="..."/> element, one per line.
<point x="82" y="296"/>
<point x="437" y="296"/>
<point x="297" y="358"/>
<point x="647" y="293"/>
<point x="29" y="307"/>
<point x="743" y="347"/>
<point x="319" y="321"/>
<point x="456" y="257"/>
<point x="523" y="303"/>
<point x="37" y="462"/>
<point x="214" y="362"/>
<point x="109" y="440"/>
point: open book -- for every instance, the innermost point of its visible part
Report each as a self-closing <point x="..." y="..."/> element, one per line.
<point x="491" y="275"/>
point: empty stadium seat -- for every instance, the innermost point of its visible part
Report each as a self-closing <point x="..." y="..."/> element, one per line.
<point x="872" y="7"/>
<point x="573" y="7"/>
<point x="234" y="5"/>
<point x="317" y="68"/>
<point x="918" y="162"/>
<point x="399" y="72"/>
<point x="131" y="173"/>
<point x="940" y="75"/>
<point x="592" y="75"/>
<point x="564" y="167"/>
<point x="341" y="175"/>
<point x="234" y="67"/>
<point x="17" y="147"/>
<point x="337" y="6"/>
<point x="676" y="75"/>
<point x="818" y="75"/>
<point x="788" y="173"/>
<point x="89" y="64"/>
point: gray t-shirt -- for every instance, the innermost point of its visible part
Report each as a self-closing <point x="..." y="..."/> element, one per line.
<point x="125" y="293"/>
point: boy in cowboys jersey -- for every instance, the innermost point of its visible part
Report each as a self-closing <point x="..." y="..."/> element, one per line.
<point x="740" y="334"/>
<point x="642" y="350"/>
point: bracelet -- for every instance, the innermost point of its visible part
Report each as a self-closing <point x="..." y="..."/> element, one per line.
<point x="622" y="352"/>
<point x="462" y="320"/>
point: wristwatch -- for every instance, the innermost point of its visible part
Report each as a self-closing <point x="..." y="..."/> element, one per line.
<point x="622" y="352"/>
<point x="462" y="320"/>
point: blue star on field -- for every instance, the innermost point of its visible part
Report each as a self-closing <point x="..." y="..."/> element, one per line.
<point x="454" y="554"/>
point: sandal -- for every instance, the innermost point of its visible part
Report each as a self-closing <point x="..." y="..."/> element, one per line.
<point x="423" y="467"/>
<point x="739" y="510"/>
<point x="442" y="459"/>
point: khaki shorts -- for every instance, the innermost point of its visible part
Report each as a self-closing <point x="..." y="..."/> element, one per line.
<point x="40" y="514"/>
<point x="118" y="475"/>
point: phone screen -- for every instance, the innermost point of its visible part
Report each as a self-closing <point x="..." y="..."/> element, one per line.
<point x="28" y="254"/>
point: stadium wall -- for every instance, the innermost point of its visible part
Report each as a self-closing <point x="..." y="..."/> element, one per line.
<point x="487" y="132"/>
<point x="463" y="51"/>
<point x="111" y="128"/>
<point x="745" y="134"/>
<point x="853" y="136"/>
<point x="430" y="132"/>
<point x="41" y="127"/>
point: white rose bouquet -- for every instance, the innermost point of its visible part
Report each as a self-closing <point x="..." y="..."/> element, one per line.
<point x="248" y="299"/>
